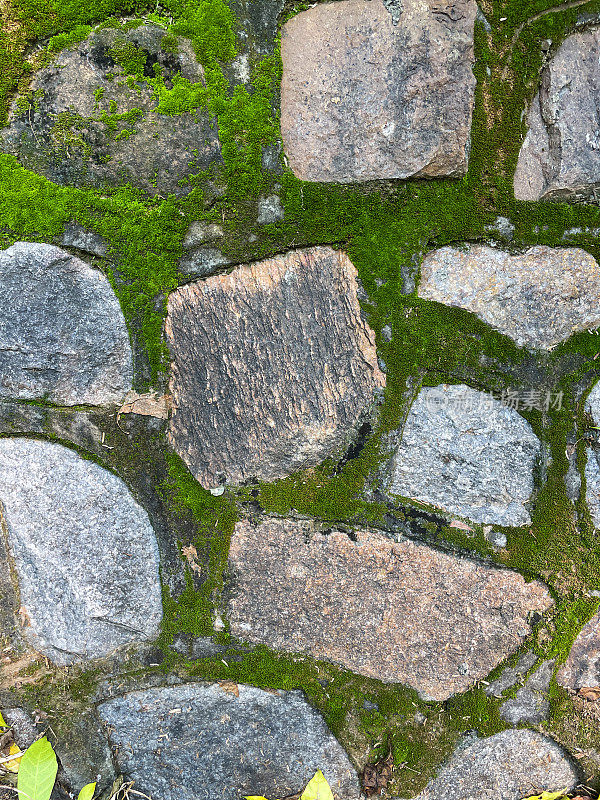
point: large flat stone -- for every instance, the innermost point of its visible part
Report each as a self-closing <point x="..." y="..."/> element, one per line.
<point x="582" y="667"/>
<point x="466" y="453"/>
<point x="85" y="553"/>
<point x="74" y="132"/>
<point x="201" y="742"/>
<point x="508" y="766"/>
<point x="539" y="298"/>
<point x="396" y="611"/>
<point x="62" y="332"/>
<point x="560" y="157"/>
<point x="370" y="93"/>
<point x="273" y="367"/>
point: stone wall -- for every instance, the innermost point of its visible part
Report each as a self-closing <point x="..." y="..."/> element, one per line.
<point x="299" y="399"/>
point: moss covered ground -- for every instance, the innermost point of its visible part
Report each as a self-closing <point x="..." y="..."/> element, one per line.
<point x="385" y="227"/>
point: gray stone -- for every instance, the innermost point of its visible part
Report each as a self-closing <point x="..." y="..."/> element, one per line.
<point x="270" y="210"/>
<point x="496" y="539"/>
<point x="62" y="332"/>
<point x="85" y="554"/>
<point x="77" y="236"/>
<point x="370" y="92"/>
<point x="511" y="675"/>
<point x="466" y="453"/>
<point x="66" y="131"/>
<point x="84" y="752"/>
<point x="200" y="232"/>
<point x="560" y="157"/>
<point x="508" y="766"/>
<point x="592" y="467"/>
<point x="23" y="727"/>
<point x="201" y="742"/>
<point x="202" y="262"/>
<point x="582" y="667"/>
<point x="539" y="298"/>
<point x="530" y="704"/>
<point x="274" y="367"/>
<point x="503" y="227"/>
<point x="399" y="612"/>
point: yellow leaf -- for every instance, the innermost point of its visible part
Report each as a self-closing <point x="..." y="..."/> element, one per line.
<point x="255" y="797"/>
<point x="550" y="796"/>
<point x="317" y="789"/>
<point x="12" y="766"/>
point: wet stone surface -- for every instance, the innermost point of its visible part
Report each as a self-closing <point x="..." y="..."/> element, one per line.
<point x="396" y="611"/>
<point x="203" y="741"/>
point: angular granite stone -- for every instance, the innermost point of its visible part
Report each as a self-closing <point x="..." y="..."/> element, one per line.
<point x="530" y="703"/>
<point x="62" y="332"/>
<point x="396" y="611"/>
<point x="273" y="367"/>
<point x="508" y="766"/>
<point x="560" y="157"/>
<point x="466" y="453"/>
<point x="202" y="742"/>
<point x="370" y="92"/>
<point x="582" y="667"/>
<point x="85" y="553"/>
<point x="66" y="133"/>
<point x="539" y="298"/>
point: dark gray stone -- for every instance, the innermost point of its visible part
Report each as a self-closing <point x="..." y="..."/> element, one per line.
<point x="560" y="157"/>
<point x="508" y="766"/>
<point x="592" y="467"/>
<point x="203" y="262"/>
<point x="511" y="675"/>
<point x="372" y="92"/>
<point x="530" y="704"/>
<point x="465" y="452"/>
<point x="62" y="332"/>
<point x="84" y="752"/>
<point x="64" y="133"/>
<point x="24" y="730"/>
<point x="270" y="210"/>
<point x="85" y="553"/>
<point x="274" y="367"/>
<point x="201" y="742"/>
<point x="77" y="236"/>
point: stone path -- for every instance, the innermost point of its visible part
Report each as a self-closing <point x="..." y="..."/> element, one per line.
<point x="465" y="452"/>
<point x="199" y="742"/>
<point x="539" y="298"/>
<point x="85" y="553"/>
<point x="396" y="611"/>
<point x="274" y="367"/>
<point x="62" y="332"/>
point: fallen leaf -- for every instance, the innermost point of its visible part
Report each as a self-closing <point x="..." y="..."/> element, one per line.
<point x="376" y="777"/>
<point x="317" y="789"/>
<point x="591" y="693"/>
<point x="9" y="748"/>
<point x="230" y="687"/>
<point x="462" y="526"/>
<point x="549" y="796"/>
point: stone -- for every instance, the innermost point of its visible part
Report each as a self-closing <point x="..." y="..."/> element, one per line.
<point x="539" y="298"/>
<point x="400" y="612"/>
<point x="274" y="367"/>
<point x="530" y="704"/>
<point x="508" y="766"/>
<point x="466" y="453"/>
<point x="23" y="727"/>
<point x="511" y="675"/>
<point x="503" y="228"/>
<point x="200" y="232"/>
<point x="85" y="553"/>
<point x="80" y="238"/>
<point x="70" y="127"/>
<point x="63" y="337"/>
<point x="582" y="667"/>
<point x="151" y="404"/>
<point x="202" y="262"/>
<point x="560" y="156"/>
<point x="270" y="210"/>
<point x="200" y="742"/>
<point x="497" y="539"/>
<point x="371" y="93"/>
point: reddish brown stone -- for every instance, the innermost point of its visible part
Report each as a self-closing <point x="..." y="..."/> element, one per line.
<point x="397" y="611"/>
<point x="582" y="667"/>
<point x="273" y="367"/>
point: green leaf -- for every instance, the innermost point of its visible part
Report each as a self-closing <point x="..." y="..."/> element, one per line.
<point x="254" y="797"/>
<point x="317" y="789"/>
<point x="37" y="772"/>
<point x="550" y="796"/>
<point x="87" y="792"/>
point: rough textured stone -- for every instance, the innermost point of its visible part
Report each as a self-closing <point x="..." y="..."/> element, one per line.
<point x="84" y="551"/>
<point x="62" y="332"/>
<point x="539" y="298"/>
<point x="201" y="742"/>
<point x="63" y="134"/>
<point x="560" y="157"/>
<point x="200" y="232"/>
<point x="466" y="453"/>
<point x="511" y="675"/>
<point x="508" y="766"/>
<point x="203" y="261"/>
<point x="270" y="209"/>
<point x="530" y="704"/>
<point x="77" y="236"/>
<point x="582" y="667"/>
<point x="396" y="611"/>
<point x="273" y="367"/>
<point x="363" y="98"/>
<point x="592" y="467"/>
